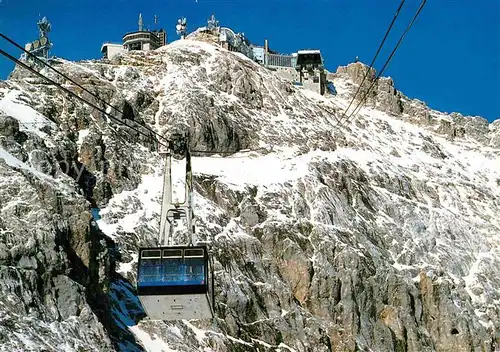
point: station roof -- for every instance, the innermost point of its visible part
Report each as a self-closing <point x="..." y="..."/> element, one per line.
<point x="305" y="52"/>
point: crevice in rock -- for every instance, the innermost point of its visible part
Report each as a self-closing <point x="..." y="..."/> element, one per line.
<point x="311" y="275"/>
<point x="337" y="292"/>
<point x="128" y="112"/>
<point x="405" y="339"/>
<point x="412" y="307"/>
<point x="78" y="270"/>
<point x="100" y="249"/>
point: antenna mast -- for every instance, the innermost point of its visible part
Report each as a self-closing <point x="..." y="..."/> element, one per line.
<point x="212" y="23"/>
<point x="181" y="27"/>
<point x="141" y="24"/>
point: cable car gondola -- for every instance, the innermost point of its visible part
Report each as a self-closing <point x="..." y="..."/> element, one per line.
<point x="176" y="282"/>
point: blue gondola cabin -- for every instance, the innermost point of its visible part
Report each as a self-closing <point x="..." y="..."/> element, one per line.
<point x="176" y="282"/>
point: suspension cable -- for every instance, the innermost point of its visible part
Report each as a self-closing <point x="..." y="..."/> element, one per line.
<point x="374" y="58"/>
<point x="18" y="62"/>
<point x="358" y="107"/>
<point x="75" y="83"/>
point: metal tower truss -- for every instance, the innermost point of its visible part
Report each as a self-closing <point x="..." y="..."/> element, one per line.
<point x="173" y="211"/>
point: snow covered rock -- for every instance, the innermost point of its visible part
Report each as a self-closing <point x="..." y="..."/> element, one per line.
<point x="495" y="134"/>
<point x="381" y="236"/>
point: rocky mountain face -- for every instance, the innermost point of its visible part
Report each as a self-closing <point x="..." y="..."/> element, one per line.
<point x="380" y="236"/>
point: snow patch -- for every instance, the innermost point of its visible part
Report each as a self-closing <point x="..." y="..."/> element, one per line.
<point x="29" y="119"/>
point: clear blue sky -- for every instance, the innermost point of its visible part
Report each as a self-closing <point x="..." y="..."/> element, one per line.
<point x="450" y="58"/>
